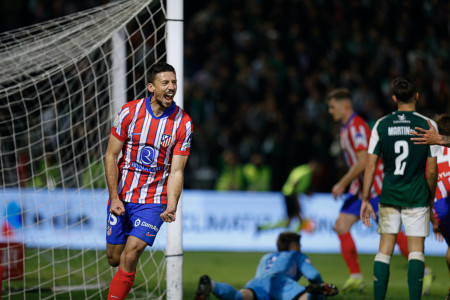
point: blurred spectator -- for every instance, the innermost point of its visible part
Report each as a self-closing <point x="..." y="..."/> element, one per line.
<point x="47" y="173"/>
<point x="257" y="175"/>
<point x="231" y="176"/>
<point x="93" y="175"/>
<point x="23" y="168"/>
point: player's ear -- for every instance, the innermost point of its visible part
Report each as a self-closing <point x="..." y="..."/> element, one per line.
<point x="394" y="99"/>
<point x="150" y="87"/>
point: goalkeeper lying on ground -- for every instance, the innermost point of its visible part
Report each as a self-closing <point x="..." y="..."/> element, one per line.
<point x="276" y="277"/>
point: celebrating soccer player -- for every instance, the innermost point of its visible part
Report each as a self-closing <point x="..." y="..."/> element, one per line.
<point x="154" y="136"/>
<point x="354" y="138"/>
<point x="410" y="176"/>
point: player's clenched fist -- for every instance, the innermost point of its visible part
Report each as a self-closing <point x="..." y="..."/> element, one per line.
<point x="168" y="215"/>
<point x="117" y="207"/>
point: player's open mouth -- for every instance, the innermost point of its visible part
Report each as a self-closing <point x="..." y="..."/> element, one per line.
<point x="168" y="97"/>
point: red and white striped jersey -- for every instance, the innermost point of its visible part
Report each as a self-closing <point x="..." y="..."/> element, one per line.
<point x="443" y="184"/>
<point x="355" y="136"/>
<point x="149" y="144"/>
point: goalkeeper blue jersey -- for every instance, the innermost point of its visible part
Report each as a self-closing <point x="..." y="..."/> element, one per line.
<point x="292" y="263"/>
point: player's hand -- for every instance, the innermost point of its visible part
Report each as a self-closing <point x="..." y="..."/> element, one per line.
<point x="337" y="190"/>
<point x="437" y="232"/>
<point x="168" y="215"/>
<point x="426" y="137"/>
<point x="366" y="212"/>
<point x="438" y="235"/>
<point x="117" y="208"/>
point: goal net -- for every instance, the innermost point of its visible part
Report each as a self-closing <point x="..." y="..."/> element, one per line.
<point x="61" y="84"/>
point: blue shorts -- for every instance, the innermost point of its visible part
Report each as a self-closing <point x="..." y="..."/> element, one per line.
<point x="278" y="286"/>
<point x="441" y="208"/>
<point x="352" y="205"/>
<point x="140" y="220"/>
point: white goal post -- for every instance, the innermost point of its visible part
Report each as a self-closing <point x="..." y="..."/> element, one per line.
<point x="61" y="84"/>
<point x="174" y="249"/>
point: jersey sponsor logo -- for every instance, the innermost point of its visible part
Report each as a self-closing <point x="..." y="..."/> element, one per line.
<point x="166" y="140"/>
<point x="148" y="234"/>
<point x="141" y="167"/>
<point x="137" y="222"/>
<point x="401" y="119"/>
<point x="399" y="130"/>
<point x="147" y="155"/>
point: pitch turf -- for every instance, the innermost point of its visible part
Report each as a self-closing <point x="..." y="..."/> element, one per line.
<point x="236" y="268"/>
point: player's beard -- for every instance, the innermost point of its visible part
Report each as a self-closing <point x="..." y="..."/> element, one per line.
<point x="163" y="104"/>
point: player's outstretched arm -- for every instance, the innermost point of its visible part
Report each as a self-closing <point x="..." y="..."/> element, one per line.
<point x="112" y="174"/>
<point x="174" y="187"/>
<point x="430" y="136"/>
<point x="366" y="207"/>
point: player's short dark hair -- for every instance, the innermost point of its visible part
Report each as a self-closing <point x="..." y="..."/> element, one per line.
<point x="443" y="123"/>
<point x="157" y="68"/>
<point x="340" y="94"/>
<point x="285" y="239"/>
<point x="404" y="89"/>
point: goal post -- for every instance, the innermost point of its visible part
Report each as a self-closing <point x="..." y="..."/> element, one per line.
<point x="174" y="249"/>
<point x="61" y="84"/>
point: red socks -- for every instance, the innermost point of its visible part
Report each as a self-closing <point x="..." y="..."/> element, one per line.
<point x="348" y="250"/>
<point x="402" y="243"/>
<point x="121" y="285"/>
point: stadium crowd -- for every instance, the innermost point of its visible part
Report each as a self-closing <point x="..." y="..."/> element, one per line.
<point x="257" y="73"/>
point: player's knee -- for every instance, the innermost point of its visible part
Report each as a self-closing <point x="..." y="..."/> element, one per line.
<point x="130" y="257"/>
<point x="113" y="259"/>
<point x="339" y="228"/>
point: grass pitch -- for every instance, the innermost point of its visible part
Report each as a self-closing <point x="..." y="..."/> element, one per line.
<point x="235" y="268"/>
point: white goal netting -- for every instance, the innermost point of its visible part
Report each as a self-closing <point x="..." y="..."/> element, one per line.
<point x="61" y="82"/>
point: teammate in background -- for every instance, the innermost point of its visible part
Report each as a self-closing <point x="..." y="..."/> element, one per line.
<point x="430" y="137"/>
<point x="407" y="194"/>
<point x="276" y="277"/>
<point x="298" y="182"/>
<point x="154" y="136"/>
<point x="442" y="200"/>
<point x="354" y="139"/>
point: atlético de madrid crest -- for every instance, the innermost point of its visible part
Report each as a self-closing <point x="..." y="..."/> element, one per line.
<point x="166" y="140"/>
